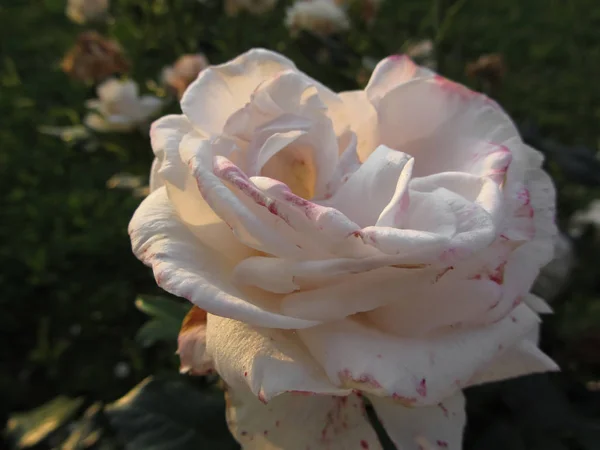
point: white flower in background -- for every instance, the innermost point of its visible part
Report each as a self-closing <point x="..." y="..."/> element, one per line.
<point x="322" y="17"/>
<point x="554" y="275"/>
<point x="584" y="218"/>
<point x="379" y="242"/>
<point x="82" y="11"/>
<point x="185" y="70"/>
<point x="257" y="7"/>
<point x="423" y="52"/>
<point x="119" y="107"/>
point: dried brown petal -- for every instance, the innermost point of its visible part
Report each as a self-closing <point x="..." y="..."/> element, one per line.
<point x="94" y="58"/>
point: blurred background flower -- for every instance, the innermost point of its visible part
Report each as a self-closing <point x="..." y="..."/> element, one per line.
<point x="82" y="11"/>
<point x="185" y="70"/>
<point x="119" y="107"/>
<point x="94" y="58"/>
<point x="321" y="17"/>
<point x="489" y="69"/>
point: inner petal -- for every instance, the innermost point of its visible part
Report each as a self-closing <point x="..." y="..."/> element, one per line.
<point x="294" y="166"/>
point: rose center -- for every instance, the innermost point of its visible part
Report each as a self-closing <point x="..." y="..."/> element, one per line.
<point x="293" y="166"/>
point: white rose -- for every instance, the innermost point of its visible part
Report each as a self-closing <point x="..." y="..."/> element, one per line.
<point x="323" y="17"/>
<point x="379" y="242"/>
<point x="81" y="11"/>
<point x="119" y="107"/>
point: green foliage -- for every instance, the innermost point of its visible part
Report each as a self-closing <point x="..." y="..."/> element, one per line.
<point x="167" y="315"/>
<point x="160" y="413"/>
<point x="33" y="427"/>
<point x="168" y="413"/>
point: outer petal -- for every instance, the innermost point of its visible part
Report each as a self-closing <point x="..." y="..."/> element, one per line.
<point x="391" y="72"/>
<point x="298" y="422"/>
<point x="221" y="90"/>
<point x="444" y="126"/>
<point x="419" y="371"/>
<point x="269" y="362"/>
<point x="438" y="427"/>
<point x="523" y="359"/>
<point x="186" y="267"/>
<point x="166" y="135"/>
<point x="192" y="343"/>
<point x="155" y="180"/>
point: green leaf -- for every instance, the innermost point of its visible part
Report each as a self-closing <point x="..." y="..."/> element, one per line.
<point x="32" y="427"/>
<point x="89" y="432"/>
<point x="167" y="316"/>
<point x="157" y="330"/>
<point x="162" y="307"/>
<point x="169" y="413"/>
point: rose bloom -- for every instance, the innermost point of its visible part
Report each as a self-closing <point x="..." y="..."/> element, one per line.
<point x="82" y="11"/>
<point x="119" y="107"/>
<point x="322" y="17"/>
<point x="94" y="58"/>
<point x="257" y="7"/>
<point x="377" y="243"/>
<point x="185" y="70"/>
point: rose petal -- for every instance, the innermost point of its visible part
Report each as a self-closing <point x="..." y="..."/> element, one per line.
<point x="186" y="267"/>
<point x="358" y="292"/>
<point x="373" y="186"/>
<point x="269" y="362"/>
<point x="221" y="90"/>
<point x="191" y="346"/>
<point x="284" y="276"/>
<point x="443" y="129"/>
<point x="391" y="72"/>
<point x="427" y="427"/>
<point x="524" y="358"/>
<point x="298" y="422"/>
<point x="420" y="371"/>
<point x="361" y="117"/>
<point x="422" y="308"/>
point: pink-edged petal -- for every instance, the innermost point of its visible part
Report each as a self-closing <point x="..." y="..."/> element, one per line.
<point x="436" y="427"/>
<point x="191" y="344"/>
<point x="373" y="186"/>
<point x="299" y="422"/>
<point x="239" y="207"/>
<point x="444" y="130"/>
<point x="185" y="266"/>
<point x="524" y="358"/>
<point x="265" y="215"/>
<point x="221" y="90"/>
<point x="391" y="72"/>
<point x="446" y="220"/>
<point x="419" y="371"/>
<point x="266" y="361"/>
